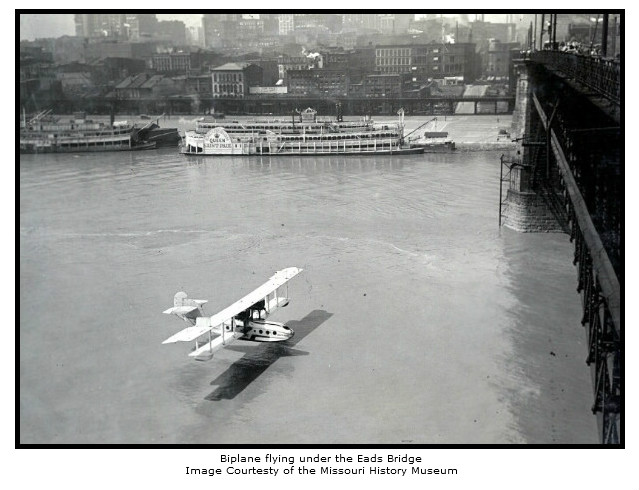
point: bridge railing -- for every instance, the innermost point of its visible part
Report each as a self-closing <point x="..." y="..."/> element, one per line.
<point x="601" y="292"/>
<point x="602" y="76"/>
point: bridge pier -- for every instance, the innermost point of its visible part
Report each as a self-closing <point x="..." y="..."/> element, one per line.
<point x="530" y="204"/>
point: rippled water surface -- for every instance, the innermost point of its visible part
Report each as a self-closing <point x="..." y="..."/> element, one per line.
<point x="417" y="319"/>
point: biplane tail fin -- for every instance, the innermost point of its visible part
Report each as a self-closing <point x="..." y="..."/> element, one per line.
<point x="186" y="308"/>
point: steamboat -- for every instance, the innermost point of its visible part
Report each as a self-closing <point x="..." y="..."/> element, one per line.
<point x="47" y="134"/>
<point x="306" y="136"/>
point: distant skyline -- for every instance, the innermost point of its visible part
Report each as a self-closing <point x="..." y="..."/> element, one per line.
<point x="33" y="26"/>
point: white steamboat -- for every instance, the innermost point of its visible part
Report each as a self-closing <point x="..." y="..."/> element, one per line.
<point x="307" y="136"/>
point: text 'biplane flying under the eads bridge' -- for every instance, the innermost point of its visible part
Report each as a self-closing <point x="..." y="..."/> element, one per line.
<point x="243" y="320"/>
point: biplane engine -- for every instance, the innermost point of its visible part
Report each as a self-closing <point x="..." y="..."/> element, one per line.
<point x="186" y="308"/>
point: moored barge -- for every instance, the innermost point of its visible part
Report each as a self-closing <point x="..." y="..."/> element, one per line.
<point x="47" y="134"/>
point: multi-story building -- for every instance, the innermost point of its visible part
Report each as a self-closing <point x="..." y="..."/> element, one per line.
<point x="108" y="70"/>
<point x="173" y="31"/>
<point x="141" y="25"/>
<point x="286" y="24"/>
<point x="36" y="71"/>
<point x="361" y="62"/>
<point x="194" y="85"/>
<point x="211" y="31"/>
<point x="171" y="62"/>
<point x="271" y="24"/>
<point x="482" y="32"/>
<point x="335" y="58"/>
<point x="317" y="82"/>
<point x="145" y="86"/>
<point x="393" y="58"/>
<point x="394" y="23"/>
<point x="290" y="63"/>
<point x="97" y="48"/>
<point x="387" y="84"/>
<point x="100" y="25"/>
<point x="234" y="79"/>
<point x="75" y="79"/>
<point x="360" y="22"/>
<point x="270" y="71"/>
<point x="427" y="61"/>
<point x="218" y="28"/>
<point x="248" y="28"/>
<point x="498" y="58"/>
<point x="445" y="60"/>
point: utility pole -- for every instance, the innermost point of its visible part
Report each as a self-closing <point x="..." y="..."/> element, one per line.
<point x="614" y="36"/>
<point x="530" y="36"/>
<point x="541" y="31"/>
<point x="604" y="36"/>
<point x="535" y="35"/>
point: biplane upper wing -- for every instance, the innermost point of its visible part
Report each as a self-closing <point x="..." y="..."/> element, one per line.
<point x="205" y="324"/>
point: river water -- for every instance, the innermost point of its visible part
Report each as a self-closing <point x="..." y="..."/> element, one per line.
<point x="418" y="320"/>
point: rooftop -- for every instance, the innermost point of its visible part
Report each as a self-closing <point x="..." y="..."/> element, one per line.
<point x="231" y="67"/>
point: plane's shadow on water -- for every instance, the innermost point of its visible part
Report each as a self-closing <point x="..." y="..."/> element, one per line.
<point x="257" y="359"/>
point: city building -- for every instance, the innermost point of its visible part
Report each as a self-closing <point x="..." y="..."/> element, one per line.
<point x="36" y="72"/>
<point x="481" y="32"/>
<point x="141" y="25"/>
<point x="100" y="25"/>
<point x="317" y="82"/>
<point x="499" y="58"/>
<point x="359" y="22"/>
<point x="106" y="48"/>
<point x="193" y="85"/>
<point x="290" y="63"/>
<point x="234" y="79"/>
<point x="218" y="29"/>
<point x="286" y="24"/>
<point x="428" y="61"/>
<point x="335" y="58"/>
<point x="171" y="62"/>
<point x="395" y="23"/>
<point x="270" y="70"/>
<point x="107" y="71"/>
<point x="173" y="31"/>
<point x="145" y="86"/>
<point x="387" y="85"/>
<point x="75" y="78"/>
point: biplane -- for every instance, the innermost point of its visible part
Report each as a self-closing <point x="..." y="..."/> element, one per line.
<point x="246" y="319"/>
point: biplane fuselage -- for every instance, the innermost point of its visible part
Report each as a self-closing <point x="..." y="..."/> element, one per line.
<point x="262" y="331"/>
<point x="246" y="319"/>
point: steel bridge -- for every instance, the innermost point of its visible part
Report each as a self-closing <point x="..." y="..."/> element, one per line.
<point x="571" y="152"/>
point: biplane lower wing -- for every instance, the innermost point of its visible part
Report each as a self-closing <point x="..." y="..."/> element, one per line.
<point x="202" y="326"/>
<point x="207" y="350"/>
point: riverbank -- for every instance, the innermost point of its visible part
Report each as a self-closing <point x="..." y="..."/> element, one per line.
<point x="469" y="132"/>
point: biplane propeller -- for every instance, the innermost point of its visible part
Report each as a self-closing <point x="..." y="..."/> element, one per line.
<point x="246" y="319"/>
